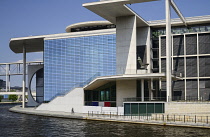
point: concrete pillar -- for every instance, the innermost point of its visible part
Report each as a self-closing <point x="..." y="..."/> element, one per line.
<point x="168" y="50"/>
<point x="24" y="76"/>
<point x="150" y="90"/>
<point x="126" y="45"/>
<point x="125" y="89"/>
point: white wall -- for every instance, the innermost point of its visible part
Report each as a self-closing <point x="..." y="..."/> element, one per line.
<point x="125" y="89"/>
<point x="74" y="99"/>
<point x="126" y="45"/>
<point x="187" y="108"/>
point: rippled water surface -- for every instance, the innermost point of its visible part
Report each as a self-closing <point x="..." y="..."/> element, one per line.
<point x="21" y="125"/>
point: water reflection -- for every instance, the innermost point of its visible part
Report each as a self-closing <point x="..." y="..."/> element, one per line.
<point x="21" y="125"/>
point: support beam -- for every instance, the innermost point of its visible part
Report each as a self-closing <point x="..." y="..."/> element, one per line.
<point x="178" y="12"/>
<point x="24" y="76"/>
<point x="168" y="50"/>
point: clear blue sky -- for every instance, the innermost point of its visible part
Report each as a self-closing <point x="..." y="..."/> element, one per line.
<point x="20" y="18"/>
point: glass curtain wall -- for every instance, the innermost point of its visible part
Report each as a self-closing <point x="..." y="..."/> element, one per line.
<point x="74" y="62"/>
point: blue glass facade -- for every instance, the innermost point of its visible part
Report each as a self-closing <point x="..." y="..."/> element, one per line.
<point x="74" y="62"/>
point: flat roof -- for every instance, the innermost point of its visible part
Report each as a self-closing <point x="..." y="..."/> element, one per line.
<point x="87" y="24"/>
<point x="99" y="81"/>
<point x="111" y="9"/>
<point x="36" y="43"/>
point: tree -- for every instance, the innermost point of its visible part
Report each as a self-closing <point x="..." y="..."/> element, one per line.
<point x="13" y="97"/>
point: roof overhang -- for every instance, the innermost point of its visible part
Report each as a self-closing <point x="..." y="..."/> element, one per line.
<point x="99" y="81"/>
<point x="31" y="44"/>
<point x="111" y="9"/>
<point x="86" y="24"/>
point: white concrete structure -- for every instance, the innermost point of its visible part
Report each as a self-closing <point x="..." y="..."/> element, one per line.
<point x="72" y="100"/>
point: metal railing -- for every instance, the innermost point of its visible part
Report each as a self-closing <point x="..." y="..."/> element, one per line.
<point x="152" y="117"/>
<point x="163" y="99"/>
<point x="136" y="99"/>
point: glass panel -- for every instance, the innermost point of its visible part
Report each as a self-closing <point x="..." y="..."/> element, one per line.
<point x="159" y="108"/>
<point x="107" y="95"/>
<point x="127" y="109"/>
<point x="142" y="108"/>
<point x="150" y="108"/>
<point x="102" y="95"/>
<point x="134" y="109"/>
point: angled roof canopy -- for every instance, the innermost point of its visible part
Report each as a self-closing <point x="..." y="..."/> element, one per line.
<point x="111" y="9"/>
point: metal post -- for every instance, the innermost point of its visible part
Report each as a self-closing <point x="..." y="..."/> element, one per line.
<point x="24" y="76"/>
<point x="168" y="50"/>
<point x="142" y="90"/>
<point x="195" y="118"/>
<point x="9" y="78"/>
<point x="174" y="118"/>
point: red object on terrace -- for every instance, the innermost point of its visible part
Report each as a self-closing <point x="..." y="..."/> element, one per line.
<point x="107" y="104"/>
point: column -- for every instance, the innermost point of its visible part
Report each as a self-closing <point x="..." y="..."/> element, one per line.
<point x="24" y="76"/>
<point x="7" y="77"/>
<point x="126" y="45"/>
<point x="168" y="51"/>
<point x="9" y="85"/>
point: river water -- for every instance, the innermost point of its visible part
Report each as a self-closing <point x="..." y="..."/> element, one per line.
<point x="21" y="125"/>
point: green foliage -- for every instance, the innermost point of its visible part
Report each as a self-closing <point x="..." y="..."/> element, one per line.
<point x="1" y="97"/>
<point x="13" y="97"/>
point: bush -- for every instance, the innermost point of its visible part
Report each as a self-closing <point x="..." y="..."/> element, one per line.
<point x="13" y="97"/>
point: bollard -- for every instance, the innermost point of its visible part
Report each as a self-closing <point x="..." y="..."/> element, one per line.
<point x="195" y="118"/>
<point x="163" y="118"/>
<point x="174" y="118"/>
<point x="110" y="114"/>
<point x="88" y="113"/>
<point x="92" y="113"/>
<point x="131" y="115"/>
<point x="184" y="118"/>
<point x="207" y="119"/>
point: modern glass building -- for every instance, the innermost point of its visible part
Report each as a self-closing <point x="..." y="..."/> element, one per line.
<point x="121" y="64"/>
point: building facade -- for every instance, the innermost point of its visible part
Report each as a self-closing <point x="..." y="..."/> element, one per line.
<point x="120" y="63"/>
